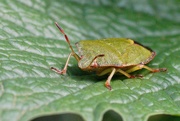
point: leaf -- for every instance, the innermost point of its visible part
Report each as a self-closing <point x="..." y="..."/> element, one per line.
<point x="30" y="44"/>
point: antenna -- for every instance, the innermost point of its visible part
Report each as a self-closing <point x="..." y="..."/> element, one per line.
<point x="67" y="40"/>
<point x="65" y="36"/>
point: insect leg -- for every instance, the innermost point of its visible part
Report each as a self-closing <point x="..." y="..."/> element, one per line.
<point x="124" y="73"/>
<point x="93" y="60"/>
<point x="135" y="68"/>
<point x="107" y="83"/>
<point x="155" y="70"/>
<point x="106" y="71"/>
<point x="63" y="71"/>
<point x="140" y="66"/>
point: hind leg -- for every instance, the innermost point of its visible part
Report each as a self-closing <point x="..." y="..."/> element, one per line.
<point x="140" y="66"/>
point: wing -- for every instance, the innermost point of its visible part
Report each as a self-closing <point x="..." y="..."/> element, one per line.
<point x="118" y="52"/>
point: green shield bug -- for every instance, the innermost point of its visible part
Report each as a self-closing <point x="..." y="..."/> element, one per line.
<point x="110" y="56"/>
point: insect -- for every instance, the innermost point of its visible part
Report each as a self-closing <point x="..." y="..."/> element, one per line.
<point x="109" y="56"/>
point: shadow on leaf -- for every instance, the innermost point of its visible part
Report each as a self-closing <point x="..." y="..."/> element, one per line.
<point x="61" y="117"/>
<point x="112" y="116"/>
<point x="164" y="117"/>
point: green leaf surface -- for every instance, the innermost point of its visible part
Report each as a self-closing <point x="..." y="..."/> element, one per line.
<point x="30" y="44"/>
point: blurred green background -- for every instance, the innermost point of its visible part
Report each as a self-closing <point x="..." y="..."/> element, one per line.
<point x="30" y="44"/>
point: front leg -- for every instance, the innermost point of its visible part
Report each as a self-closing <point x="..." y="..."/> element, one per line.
<point x="63" y="71"/>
